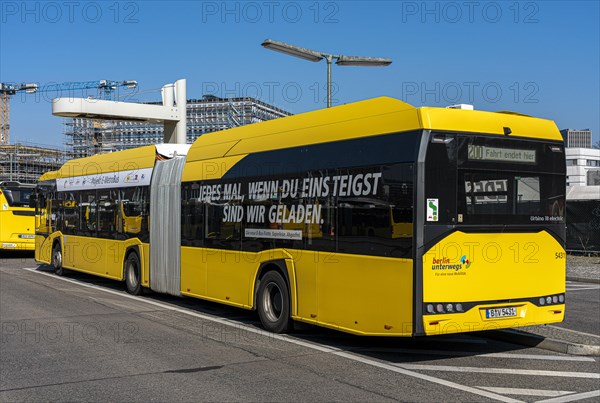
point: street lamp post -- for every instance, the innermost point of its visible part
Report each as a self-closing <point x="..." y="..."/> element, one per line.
<point x="315" y="56"/>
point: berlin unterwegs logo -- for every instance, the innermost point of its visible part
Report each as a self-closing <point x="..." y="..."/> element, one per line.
<point x="465" y="261"/>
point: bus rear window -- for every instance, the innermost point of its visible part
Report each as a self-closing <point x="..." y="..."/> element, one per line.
<point x="509" y="181"/>
<point x="480" y="179"/>
<point x="512" y="196"/>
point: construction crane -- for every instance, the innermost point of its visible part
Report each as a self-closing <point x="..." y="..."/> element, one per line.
<point x="6" y="91"/>
<point x="105" y="89"/>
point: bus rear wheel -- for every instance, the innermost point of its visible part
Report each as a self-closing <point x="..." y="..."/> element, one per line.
<point x="273" y="303"/>
<point x="57" y="261"/>
<point x="133" y="274"/>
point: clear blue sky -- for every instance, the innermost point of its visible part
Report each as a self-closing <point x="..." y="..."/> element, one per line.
<point x="536" y="57"/>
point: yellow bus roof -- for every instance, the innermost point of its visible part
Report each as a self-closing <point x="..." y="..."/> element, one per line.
<point x="48" y="176"/>
<point x="135" y="158"/>
<point x="360" y="119"/>
<point x="132" y="159"/>
<point x="461" y="120"/>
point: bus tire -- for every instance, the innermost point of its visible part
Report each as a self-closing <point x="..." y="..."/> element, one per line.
<point x="273" y="303"/>
<point x="57" y="259"/>
<point x="133" y="274"/>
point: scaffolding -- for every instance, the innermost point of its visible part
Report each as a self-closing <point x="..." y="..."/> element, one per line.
<point x="85" y="137"/>
<point x="4" y="118"/>
<point x="26" y="163"/>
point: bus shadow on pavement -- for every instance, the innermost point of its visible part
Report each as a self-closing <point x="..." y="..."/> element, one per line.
<point x="16" y="254"/>
<point x="391" y="349"/>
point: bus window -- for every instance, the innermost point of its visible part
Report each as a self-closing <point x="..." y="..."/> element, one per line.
<point x="106" y="205"/>
<point x="192" y="217"/>
<point x="87" y="212"/>
<point x="509" y="194"/>
<point x="17" y="196"/>
<point x="70" y="213"/>
<point x="223" y="225"/>
<point x="133" y="211"/>
<point x="508" y="181"/>
<point x="379" y="224"/>
<point x="440" y="177"/>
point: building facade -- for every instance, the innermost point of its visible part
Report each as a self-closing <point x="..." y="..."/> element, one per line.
<point x="26" y="163"/>
<point x="577" y="138"/>
<point x="583" y="166"/>
<point x="85" y="137"/>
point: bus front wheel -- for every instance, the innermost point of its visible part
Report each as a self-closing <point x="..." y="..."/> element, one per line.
<point x="273" y="303"/>
<point x="132" y="274"/>
<point x="57" y="261"/>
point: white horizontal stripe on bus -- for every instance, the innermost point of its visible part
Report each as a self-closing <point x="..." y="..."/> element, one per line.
<point x="109" y="180"/>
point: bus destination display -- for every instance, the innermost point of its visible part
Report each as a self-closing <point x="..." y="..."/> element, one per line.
<point x="483" y="153"/>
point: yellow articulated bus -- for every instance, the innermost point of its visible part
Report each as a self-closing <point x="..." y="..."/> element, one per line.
<point x="17" y="226"/>
<point x="374" y="218"/>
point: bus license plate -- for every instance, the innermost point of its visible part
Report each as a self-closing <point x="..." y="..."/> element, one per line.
<point x="26" y="236"/>
<point x="500" y="313"/>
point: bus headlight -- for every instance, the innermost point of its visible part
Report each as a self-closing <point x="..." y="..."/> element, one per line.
<point x="552" y="299"/>
<point x="443" y="307"/>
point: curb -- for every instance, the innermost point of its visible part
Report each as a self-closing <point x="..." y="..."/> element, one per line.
<point x="584" y="280"/>
<point x="534" y="340"/>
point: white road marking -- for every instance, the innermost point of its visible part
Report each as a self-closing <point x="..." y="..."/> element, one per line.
<point x="539" y="357"/>
<point x="574" y="331"/>
<point x="573" y="286"/>
<point x="572" y="398"/>
<point x="510" y="371"/>
<point x="583" y="283"/>
<point x="439" y="381"/>
<point x="527" y="392"/>
<point x="582" y="288"/>
<point x="473" y="354"/>
<point x="314" y="346"/>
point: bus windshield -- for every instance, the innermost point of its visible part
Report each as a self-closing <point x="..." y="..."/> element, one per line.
<point x="17" y="196"/>
<point x="509" y="197"/>
<point x="504" y="181"/>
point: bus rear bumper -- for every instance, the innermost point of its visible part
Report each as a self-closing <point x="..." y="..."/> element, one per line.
<point x="476" y="319"/>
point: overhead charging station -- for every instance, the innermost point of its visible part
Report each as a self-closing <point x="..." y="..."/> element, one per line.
<point x="172" y="112"/>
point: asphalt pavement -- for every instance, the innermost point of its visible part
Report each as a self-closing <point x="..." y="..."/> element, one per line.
<point x="82" y="338"/>
<point x="579" y="333"/>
